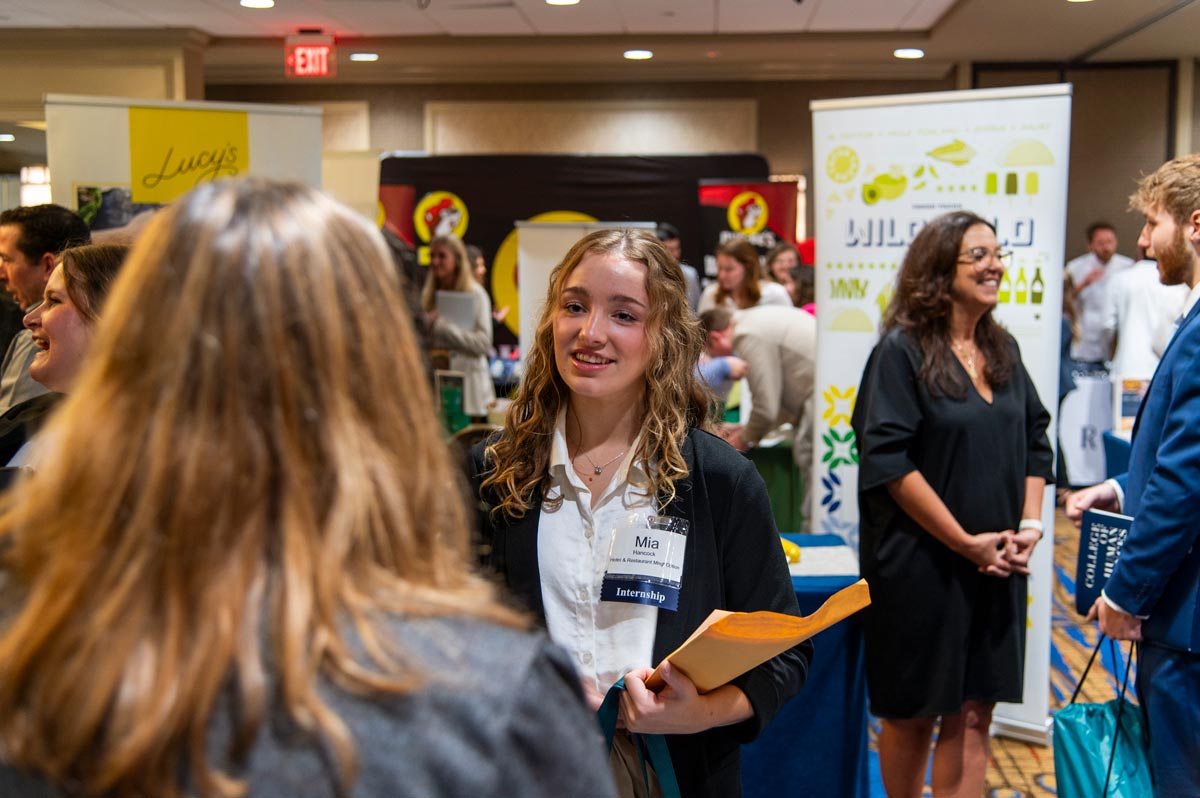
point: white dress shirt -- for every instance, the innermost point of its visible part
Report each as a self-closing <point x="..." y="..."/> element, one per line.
<point x="606" y="639"/>
<point x="1137" y="306"/>
<point x="772" y="294"/>
<point x="1095" y="342"/>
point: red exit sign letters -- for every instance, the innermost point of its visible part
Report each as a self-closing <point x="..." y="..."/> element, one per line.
<point x="310" y="57"/>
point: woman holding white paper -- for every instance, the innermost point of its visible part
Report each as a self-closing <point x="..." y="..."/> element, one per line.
<point x="605" y="438"/>
<point x="954" y="461"/>
<point x="470" y="345"/>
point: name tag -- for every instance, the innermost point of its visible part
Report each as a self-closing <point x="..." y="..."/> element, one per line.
<point x="645" y="561"/>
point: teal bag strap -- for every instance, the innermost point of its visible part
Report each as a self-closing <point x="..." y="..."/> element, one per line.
<point x="652" y="746"/>
<point x="1112" y="754"/>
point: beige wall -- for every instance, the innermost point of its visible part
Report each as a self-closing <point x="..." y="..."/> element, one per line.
<point x="153" y="65"/>
<point x="1120" y="130"/>
<point x="784" y="123"/>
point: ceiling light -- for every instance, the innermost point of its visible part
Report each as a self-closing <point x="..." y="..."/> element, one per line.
<point x="364" y="56"/>
<point x="1079" y="1"/>
<point x="7" y="137"/>
<point x="639" y="55"/>
<point x="258" y="3"/>
<point x="562" y="2"/>
<point x="908" y="52"/>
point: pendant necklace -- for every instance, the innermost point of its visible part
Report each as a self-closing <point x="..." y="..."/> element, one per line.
<point x="969" y="357"/>
<point x="599" y="469"/>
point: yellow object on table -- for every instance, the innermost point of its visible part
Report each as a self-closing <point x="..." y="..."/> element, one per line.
<point x="791" y="551"/>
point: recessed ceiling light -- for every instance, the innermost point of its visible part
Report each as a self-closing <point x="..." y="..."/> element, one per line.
<point x="639" y="55"/>
<point x="562" y="2"/>
<point x="7" y="137"/>
<point x="908" y="52"/>
<point x="364" y="56"/>
<point x="258" y="3"/>
<point x="1079" y="1"/>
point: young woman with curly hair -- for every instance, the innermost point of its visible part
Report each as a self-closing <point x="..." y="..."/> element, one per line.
<point x="608" y="429"/>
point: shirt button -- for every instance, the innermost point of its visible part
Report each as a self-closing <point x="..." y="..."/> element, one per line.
<point x="587" y="531"/>
<point x="586" y="658"/>
<point x="583" y="594"/>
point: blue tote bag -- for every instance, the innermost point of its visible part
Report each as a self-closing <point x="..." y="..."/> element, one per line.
<point x="1100" y="750"/>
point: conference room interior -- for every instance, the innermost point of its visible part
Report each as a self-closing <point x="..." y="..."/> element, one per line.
<point x="524" y="77"/>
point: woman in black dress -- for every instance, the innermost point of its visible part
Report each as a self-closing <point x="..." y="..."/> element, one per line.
<point x="954" y="463"/>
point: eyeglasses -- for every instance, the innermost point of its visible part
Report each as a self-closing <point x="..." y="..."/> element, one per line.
<point x="979" y="255"/>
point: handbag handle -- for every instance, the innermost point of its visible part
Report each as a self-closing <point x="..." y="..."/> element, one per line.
<point x="1112" y="754"/>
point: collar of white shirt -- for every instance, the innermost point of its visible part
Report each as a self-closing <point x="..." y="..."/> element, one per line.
<point x="630" y="476"/>
<point x="1192" y="298"/>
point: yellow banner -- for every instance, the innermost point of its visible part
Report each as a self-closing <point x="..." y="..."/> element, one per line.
<point x="173" y="150"/>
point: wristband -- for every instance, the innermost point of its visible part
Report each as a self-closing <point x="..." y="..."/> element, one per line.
<point x="1031" y="523"/>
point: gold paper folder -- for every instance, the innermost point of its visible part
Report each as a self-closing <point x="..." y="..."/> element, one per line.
<point x="728" y="644"/>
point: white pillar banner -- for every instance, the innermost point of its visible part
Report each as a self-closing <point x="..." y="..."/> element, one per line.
<point x="884" y="166"/>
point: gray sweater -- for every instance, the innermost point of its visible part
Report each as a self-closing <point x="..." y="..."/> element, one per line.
<point x="500" y="715"/>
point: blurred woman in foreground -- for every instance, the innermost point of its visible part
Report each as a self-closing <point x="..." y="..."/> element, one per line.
<point x="239" y="570"/>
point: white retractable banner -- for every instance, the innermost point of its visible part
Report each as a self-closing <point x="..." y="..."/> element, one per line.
<point x="884" y="166"/>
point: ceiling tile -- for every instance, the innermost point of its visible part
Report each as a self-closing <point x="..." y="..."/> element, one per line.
<point x="765" y="16"/>
<point x="669" y="16"/>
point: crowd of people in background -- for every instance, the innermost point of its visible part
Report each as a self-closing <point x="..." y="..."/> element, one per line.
<point x="233" y="560"/>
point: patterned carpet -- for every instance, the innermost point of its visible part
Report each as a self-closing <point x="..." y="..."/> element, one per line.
<point x="1019" y="769"/>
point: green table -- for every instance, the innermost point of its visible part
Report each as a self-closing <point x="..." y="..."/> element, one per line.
<point x="785" y="485"/>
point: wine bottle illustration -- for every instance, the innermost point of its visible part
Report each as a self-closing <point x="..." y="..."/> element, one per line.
<point x="1004" y="294"/>
<point x="1037" y="288"/>
<point x="1022" y="287"/>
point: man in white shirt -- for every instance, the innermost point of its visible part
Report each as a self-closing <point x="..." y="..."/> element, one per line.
<point x="1090" y="275"/>
<point x="1140" y="307"/>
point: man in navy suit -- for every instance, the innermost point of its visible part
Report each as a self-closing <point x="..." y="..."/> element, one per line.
<point x="1152" y="595"/>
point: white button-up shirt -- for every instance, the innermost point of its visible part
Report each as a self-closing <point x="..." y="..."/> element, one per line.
<point x="606" y="639"/>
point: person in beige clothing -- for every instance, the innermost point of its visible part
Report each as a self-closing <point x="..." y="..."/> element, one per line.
<point x="779" y="345"/>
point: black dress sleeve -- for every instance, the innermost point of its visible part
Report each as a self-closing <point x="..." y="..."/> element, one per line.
<point x="888" y="415"/>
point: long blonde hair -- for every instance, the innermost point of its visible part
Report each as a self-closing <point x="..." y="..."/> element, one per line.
<point x="674" y="398"/>
<point x="464" y="278"/>
<point x="246" y="482"/>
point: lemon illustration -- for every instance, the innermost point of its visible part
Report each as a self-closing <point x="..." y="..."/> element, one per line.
<point x="842" y="164"/>
<point x="884" y="186"/>
<point x="956" y="152"/>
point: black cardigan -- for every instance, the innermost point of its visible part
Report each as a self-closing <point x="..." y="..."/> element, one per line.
<point x="733" y="561"/>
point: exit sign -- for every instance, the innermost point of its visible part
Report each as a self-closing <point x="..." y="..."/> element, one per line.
<point x="310" y="57"/>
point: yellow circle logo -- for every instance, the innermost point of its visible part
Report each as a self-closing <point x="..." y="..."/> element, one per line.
<point x="842" y="164"/>
<point x="440" y="213"/>
<point x="504" y="267"/>
<point x="747" y="213"/>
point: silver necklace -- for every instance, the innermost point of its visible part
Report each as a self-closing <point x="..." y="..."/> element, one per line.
<point x="599" y="469"/>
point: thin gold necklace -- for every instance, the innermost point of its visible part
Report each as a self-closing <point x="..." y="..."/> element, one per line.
<point x="969" y="357"/>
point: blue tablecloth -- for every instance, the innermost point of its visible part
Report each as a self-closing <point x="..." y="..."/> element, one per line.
<point x="817" y="744"/>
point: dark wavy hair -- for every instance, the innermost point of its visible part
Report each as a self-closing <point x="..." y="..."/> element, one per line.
<point x="922" y="303"/>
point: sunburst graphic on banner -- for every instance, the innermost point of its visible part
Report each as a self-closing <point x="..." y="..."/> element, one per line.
<point x="839" y="404"/>
<point x="840" y="448"/>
